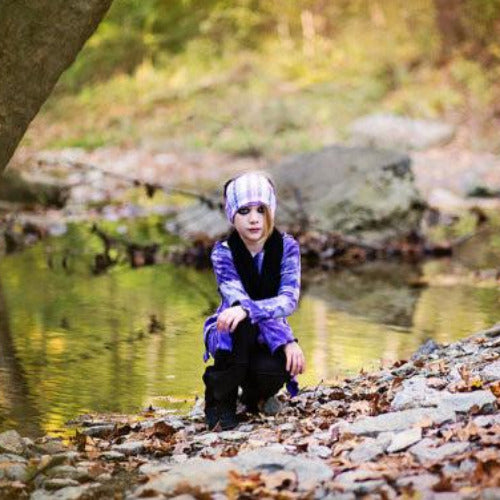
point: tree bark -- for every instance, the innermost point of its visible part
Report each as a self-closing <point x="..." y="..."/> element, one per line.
<point x="39" y="40"/>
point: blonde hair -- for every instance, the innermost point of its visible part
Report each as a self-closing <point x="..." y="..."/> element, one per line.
<point x="268" y="222"/>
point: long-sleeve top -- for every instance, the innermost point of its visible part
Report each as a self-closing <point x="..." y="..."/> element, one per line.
<point x="269" y="314"/>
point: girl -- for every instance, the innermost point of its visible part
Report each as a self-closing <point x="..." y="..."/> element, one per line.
<point x="258" y="276"/>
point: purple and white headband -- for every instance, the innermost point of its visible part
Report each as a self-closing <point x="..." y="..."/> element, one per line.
<point x="248" y="189"/>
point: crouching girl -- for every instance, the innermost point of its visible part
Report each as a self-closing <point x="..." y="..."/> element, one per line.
<point x="258" y="276"/>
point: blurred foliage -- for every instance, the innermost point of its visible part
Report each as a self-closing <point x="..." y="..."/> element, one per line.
<point x="267" y="77"/>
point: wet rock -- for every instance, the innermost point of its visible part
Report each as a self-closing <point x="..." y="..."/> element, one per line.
<point x="366" y="452"/>
<point x="404" y="440"/>
<point x="480" y="401"/>
<point x="130" y="448"/>
<point x="11" y="442"/>
<point x="400" y="420"/>
<point x="491" y="372"/>
<point x="99" y="431"/>
<point x="59" y="483"/>
<point x="415" y="393"/>
<point x="393" y="131"/>
<point x="425" y="349"/>
<point x="425" y="451"/>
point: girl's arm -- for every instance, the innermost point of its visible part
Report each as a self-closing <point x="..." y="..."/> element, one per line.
<point x="232" y="289"/>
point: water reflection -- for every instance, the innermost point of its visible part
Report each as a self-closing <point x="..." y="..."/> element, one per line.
<point x="72" y="343"/>
<point x="16" y="406"/>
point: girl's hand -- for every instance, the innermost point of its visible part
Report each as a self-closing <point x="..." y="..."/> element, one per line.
<point x="230" y="318"/>
<point x="295" y="361"/>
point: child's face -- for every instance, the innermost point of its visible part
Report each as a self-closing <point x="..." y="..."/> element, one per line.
<point x="250" y="222"/>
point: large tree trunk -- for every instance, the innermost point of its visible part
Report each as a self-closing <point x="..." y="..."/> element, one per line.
<point x="39" y="40"/>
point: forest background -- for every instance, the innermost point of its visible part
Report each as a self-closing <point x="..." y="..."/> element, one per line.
<point x="266" y="78"/>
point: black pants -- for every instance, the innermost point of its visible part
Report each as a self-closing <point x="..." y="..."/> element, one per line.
<point x="249" y="365"/>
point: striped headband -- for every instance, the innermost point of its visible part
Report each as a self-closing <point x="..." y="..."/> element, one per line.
<point x="249" y="189"/>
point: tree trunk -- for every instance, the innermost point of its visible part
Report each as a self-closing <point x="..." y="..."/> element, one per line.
<point x="39" y="40"/>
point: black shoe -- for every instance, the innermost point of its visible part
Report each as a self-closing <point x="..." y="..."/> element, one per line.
<point x="227" y="419"/>
<point x="211" y="417"/>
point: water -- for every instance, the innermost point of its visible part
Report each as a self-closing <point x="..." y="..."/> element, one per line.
<point x="73" y="343"/>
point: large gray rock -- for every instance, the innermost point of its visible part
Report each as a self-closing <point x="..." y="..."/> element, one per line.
<point x="212" y="475"/>
<point x="398" y="132"/>
<point x="400" y="420"/>
<point x="358" y="191"/>
<point x="363" y="192"/>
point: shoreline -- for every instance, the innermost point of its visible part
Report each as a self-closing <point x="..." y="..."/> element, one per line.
<point x="428" y="427"/>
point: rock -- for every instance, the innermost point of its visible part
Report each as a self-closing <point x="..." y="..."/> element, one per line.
<point x="99" y="431"/>
<point x="51" y="446"/>
<point x="67" y="472"/>
<point x="113" y="456"/>
<point x="487" y="420"/>
<point x="426" y="452"/>
<point x="400" y="420"/>
<point x="419" y="482"/>
<point x="130" y="448"/>
<point x="356" y="191"/>
<point x="68" y="493"/>
<point x="405" y="439"/>
<point x="11" y="442"/>
<point x="415" y="393"/>
<point x="207" y="439"/>
<point x="481" y="401"/>
<point x="14" y="471"/>
<point x="319" y="451"/>
<point x="205" y="474"/>
<point x="425" y="349"/>
<point x="153" y="469"/>
<point x="59" y="483"/>
<point x="392" y="131"/>
<point x="366" y="451"/>
<point x="10" y="457"/>
<point x="233" y="435"/>
<point x="491" y="372"/>
<point x="490" y="494"/>
<point x="212" y="475"/>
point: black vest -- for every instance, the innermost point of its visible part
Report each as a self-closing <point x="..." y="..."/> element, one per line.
<point x="266" y="284"/>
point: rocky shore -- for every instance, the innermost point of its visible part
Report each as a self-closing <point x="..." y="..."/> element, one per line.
<point x="427" y="427"/>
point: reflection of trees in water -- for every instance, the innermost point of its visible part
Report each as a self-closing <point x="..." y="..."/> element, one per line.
<point x="13" y="385"/>
<point x="379" y="291"/>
